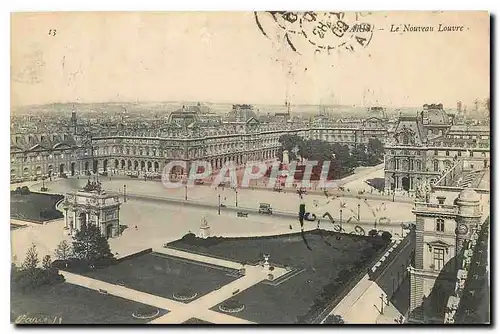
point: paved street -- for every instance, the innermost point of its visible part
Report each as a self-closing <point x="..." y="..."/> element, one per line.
<point x="250" y="199"/>
<point x="159" y="222"/>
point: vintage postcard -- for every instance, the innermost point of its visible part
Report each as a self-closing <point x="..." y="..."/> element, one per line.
<point x="250" y="167"/>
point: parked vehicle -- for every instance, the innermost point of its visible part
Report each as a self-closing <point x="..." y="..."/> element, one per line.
<point x="310" y="217"/>
<point x="198" y="182"/>
<point x="302" y="191"/>
<point x="265" y="208"/>
<point x="278" y="189"/>
<point x="242" y="214"/>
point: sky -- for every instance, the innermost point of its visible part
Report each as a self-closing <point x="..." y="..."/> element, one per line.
<point x="224" y="57"/>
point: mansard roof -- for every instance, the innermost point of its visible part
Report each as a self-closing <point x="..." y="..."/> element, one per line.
<point x="41" y="142"/>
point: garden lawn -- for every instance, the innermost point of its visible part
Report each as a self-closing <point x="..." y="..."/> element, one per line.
<point x="163" y="275"/>
<point x="76" y="305"/>
<point x="291" y="301"/>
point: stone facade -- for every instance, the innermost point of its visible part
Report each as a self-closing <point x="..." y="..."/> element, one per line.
<point x="92" y="207"/>
<point x="425" y="146"/>
<point x="442" y="225"/>
<point x="188" y="134"/>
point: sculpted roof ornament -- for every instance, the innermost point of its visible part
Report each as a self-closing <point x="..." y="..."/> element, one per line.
<point x="469" y="195"/>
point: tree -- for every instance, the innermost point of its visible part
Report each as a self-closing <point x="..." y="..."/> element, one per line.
<point x="31" y="261"/>
<point x="288" y="142"/>
<point x="90" y="245"/>
<point x="46" y="262"/>
<point x="359" y="152"/>
<point x="375" y="150"/>
<point x="63" y="251"/>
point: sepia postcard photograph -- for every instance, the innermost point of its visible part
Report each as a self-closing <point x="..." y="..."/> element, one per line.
<point x="250" y="167"/>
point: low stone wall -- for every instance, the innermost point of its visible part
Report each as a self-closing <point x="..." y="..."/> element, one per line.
<point x="363" y="303"/>
<point x="391" y="270"/>
<point x="140" y="253"/>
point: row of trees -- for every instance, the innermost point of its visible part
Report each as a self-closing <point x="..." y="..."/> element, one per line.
<point x="30" y="275"/>
<point x="88" y="249"/>
<point x="343" y="158"/>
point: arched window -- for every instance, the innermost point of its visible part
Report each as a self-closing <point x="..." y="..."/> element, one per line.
<point x="406" y="139"/>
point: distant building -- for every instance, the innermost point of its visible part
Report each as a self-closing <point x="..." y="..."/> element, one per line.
<point x="190" y="133"/>
<point x="422" y="147"/>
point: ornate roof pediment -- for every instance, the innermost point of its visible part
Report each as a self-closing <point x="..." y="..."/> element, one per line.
<point x="61" y="145"/>
<point x="438" y="243"/>
<point x="16" y="149"/>
<point x="37" y="147"/>
<point x="252" y="121"/>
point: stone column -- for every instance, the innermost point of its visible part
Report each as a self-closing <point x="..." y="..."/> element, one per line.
<point x="74" y="220"/>
<point x="117" y="232"/>
<point x="66" y="219"/>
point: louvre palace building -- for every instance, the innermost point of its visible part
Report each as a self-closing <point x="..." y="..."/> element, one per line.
<point x="423" y="147"/>
<point x="188" y="134"/>
<point x="194" y="133"/>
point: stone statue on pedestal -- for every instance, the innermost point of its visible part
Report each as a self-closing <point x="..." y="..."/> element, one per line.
<point x="286" y="157"/>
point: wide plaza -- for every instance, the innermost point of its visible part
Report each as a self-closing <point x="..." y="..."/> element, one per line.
<point x="153" y="216"/>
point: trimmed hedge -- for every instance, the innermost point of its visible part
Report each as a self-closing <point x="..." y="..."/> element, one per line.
<point x="31" y="279"/>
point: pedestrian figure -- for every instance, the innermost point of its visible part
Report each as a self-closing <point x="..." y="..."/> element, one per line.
<point x="136" y="227"/>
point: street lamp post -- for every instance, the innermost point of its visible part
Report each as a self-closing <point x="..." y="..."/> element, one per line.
<point x="219" y="203"/>
<point x="382" y="304"/>
<point x="236" y="193"/>
<point x="186" y="192"/>
<point x="124" y="193"/>
<point x="341" y="219"/>
<point x="358" y="210"/>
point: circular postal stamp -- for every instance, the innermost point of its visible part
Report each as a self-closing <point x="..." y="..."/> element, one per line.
<point x="320" y="31"/>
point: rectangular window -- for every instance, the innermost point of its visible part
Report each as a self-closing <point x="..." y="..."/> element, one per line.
<point x="438" y="258"/>
<point x="459" y="153"/>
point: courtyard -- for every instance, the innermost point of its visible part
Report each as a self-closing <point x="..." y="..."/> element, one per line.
<point x="249" y="199"/>
<point x="323" y="262"/>
<point x="66" y="303"/>
<point x="166" y="276"/>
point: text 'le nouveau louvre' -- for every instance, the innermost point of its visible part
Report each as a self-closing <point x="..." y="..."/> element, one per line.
<point x="414" y="28"/>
